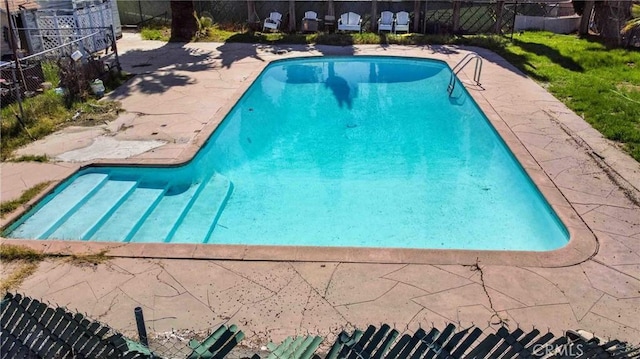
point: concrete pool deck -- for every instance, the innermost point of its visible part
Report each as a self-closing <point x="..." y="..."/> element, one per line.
<point x="183" y="91"/>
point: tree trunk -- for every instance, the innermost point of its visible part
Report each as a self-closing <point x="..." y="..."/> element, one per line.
<point x="292" y="16"/>
<point x="251" y="12"/>
<point x="610" y="16"/>
<point x="586" y="18"/>
<point x="183" y="22"/>
<point x="416" y="16"/>
<point x="374" y="15"/>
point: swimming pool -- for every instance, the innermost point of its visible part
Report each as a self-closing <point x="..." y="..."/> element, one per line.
<point x="358" y="151"/>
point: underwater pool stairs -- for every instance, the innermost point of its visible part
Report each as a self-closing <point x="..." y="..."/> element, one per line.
<point x="98" y="207"/>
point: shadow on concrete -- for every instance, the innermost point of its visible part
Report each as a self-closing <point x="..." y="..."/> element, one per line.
<point x="166" y="67"/>
<point x="231" y="52"/>
<point x="249" y="43"/>
<point x="239" y="47"/>
<point x="159" y="69"/>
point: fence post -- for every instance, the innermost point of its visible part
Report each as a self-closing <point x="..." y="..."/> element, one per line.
<point x="416" y="16"/>
<point x="115" y="49"/>
<point x="513" y="25"/>
<point x="499" y="12"/>
<point x="142" y="329"/>
<point x="456" y="16"/>
<point x="140" y="10"/>
<point x="18" y="95"/>
<point x="13" y="42"/>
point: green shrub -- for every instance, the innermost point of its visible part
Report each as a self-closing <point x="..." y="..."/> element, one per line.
<point x="50" y="71"/>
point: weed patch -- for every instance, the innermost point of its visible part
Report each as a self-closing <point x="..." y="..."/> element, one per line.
<point x="25" y="262"/>
<point x="10" y="206"/>
<point x="17" y="276"/>
<point x="88" y="259"/>
<point x="31" y="158"/>
<point x="10" y="253"/>
<point x="155" y="31"/>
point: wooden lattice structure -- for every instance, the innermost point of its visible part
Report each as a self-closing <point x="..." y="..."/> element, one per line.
<point x="51" y="29"/>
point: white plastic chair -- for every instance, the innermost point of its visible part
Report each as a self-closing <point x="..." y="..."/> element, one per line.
<point x="385" y="22"/>
<point x="272" y="22"/>
<point x="402" y="21"/>
<point x="310" y="21"/>
<point x="310" y="15"/>
<point x="349" y="21"/>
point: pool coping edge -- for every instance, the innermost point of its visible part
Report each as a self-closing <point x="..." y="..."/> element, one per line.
<point x="582" y="245"/>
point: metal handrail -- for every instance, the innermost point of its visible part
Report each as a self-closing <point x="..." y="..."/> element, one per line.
<point x="460" y="65"/>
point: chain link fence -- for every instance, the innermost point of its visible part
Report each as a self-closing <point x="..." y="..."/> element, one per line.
<point x="433" y="17"/>
<point x="68" y="71"/>
<point x="136" y="13"/>
<point x="479" y="17"/>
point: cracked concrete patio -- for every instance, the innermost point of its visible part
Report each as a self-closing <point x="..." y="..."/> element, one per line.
<point x="180" y="93"/>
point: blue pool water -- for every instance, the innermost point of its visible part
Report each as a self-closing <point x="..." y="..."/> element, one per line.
<point x="358" y="151"/>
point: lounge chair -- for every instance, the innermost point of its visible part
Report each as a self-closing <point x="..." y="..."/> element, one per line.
<point x="349" y="21"/>
<point x="310" y="21"/>
<point x="402" y="21"/>
<point x="272" y="22"/>
<point x="385" y="22"/>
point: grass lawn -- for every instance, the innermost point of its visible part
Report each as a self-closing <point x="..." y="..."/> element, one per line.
<point x="601" y="85"/>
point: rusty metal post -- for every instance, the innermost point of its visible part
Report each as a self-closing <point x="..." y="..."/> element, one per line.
<point x="142" y="329"/>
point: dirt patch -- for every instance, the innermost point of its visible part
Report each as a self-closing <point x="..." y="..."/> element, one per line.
<point x="14" y="273"/>
<point x="96" y="114"/>
<point x="627" y="86"/>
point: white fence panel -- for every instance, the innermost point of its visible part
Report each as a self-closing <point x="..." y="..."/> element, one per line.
<point x="56" y="29"/>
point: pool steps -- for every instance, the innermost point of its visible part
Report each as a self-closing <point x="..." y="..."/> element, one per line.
<point x="222" y="205"/>
<point x="89" y="232"/>
<point x="158" y="224"/>
<point x="98" y="207"/>
<point x="211" y="196"/>
<point x="94" y="210"/>
<point x="67" y="201"/>
<point x="129" y="215"/>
